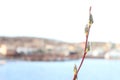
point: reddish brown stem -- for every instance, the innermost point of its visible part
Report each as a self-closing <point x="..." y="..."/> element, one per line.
<point x="86" y="43"/>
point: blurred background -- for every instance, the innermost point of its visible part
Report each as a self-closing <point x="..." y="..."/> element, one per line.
<point x="43" y="40"/>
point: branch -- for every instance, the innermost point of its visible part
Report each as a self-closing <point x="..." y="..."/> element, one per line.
<point x="87" y="30"/>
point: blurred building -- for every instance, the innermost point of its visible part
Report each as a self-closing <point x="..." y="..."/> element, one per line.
<point x="112" y="54"/>
<point x="3" y="49"/>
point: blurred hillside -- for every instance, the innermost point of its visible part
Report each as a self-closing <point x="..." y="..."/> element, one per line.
<point x="48" y="49"/>
<point x="14" y="42"/>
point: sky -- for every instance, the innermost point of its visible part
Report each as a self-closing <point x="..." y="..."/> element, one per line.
<point x="62" y="20"/>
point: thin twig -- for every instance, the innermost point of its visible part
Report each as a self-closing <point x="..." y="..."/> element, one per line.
<point x="86" y="44"/>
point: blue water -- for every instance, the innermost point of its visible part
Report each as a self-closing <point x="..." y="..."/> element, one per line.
<point x="92" y="69"/>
